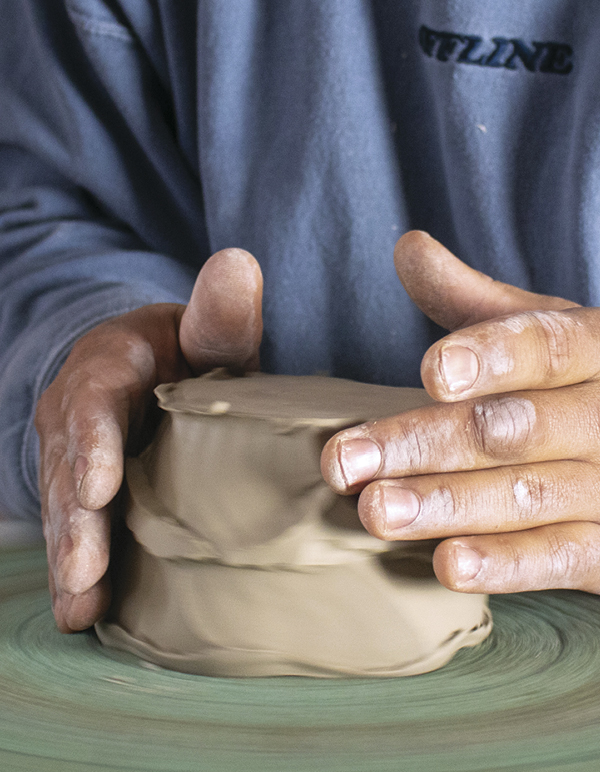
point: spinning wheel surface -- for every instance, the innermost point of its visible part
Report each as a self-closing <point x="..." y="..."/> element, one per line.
<point x="528" y="698"/>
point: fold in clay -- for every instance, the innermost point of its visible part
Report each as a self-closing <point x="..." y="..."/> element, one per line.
<point x="242" y="562"/>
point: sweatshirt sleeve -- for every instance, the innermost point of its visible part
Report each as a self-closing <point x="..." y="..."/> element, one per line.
<point x="78" y="244"/>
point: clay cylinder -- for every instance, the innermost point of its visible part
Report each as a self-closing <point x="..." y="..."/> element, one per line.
<point x="240" y="561"/>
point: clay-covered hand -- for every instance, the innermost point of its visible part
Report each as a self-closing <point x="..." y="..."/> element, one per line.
<point x="505" y="468"/>
<point x="99" y="406"/>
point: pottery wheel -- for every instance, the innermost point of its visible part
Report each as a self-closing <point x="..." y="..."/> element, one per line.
<point x="527" y="698"/>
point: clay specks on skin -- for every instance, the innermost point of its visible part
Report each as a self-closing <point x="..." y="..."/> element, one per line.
<point x="561" y="333"/>
<point x="558" y="330"/>
<point x="550" y="320"/>
<point x="103" y="451"/>
<point x="140" y="356"/>
<point x="87" y="561"/>
<point x="522" y="495"/>
<point x="497" y="357"/>
<point x="55" y="506"/>
<point x="439" y="507"/>
<point x="96" y="444"/>
<point x="219" y="407"/>
<point x="498" y="360"/>
<point x="516" y="324"/>
<point x="425" y="447"/>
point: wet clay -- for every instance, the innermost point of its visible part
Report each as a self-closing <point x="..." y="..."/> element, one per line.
<point x="240" y="561"/>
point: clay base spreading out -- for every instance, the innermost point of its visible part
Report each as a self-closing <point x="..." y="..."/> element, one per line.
<point x="241" y="561"/>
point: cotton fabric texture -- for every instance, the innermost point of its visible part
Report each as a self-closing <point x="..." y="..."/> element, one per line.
<point x="137" y="137"/>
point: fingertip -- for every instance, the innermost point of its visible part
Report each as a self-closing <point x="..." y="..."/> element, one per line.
<point x="79" y="571"/>
<point x="330" y="467"/>
<point x="83" y="553"/>
<point x="411" y="242"/>
<point x="433" y="277"/>
<point x="450" y="372"/>
<point x="350" y="460"/>
<point x="443" y="564"/>
<point x="75" y="613"/>
<point x="430" y="374"/>
<point x="410" y="250"/>
<point x="371" y="511"/>
<point x="222" y="324"/>
<point x="100" y="483"/>
<point x="458" y="566"/>
<point x="237" y="258"/>
<point x="97" y="433"/>
<point x="232" y="270"/>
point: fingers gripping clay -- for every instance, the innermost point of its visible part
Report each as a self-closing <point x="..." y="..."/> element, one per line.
<point x="242" y="562"/>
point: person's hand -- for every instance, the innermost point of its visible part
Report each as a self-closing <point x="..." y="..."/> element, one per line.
<point x="507" y="471"/>
<point x="99" y="406"/>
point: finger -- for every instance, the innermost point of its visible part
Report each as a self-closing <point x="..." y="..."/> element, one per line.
<point x="78" y="612"/>
<point x="101" y="396"/>
<point x="96" y="420"/>
<point x="222" y="324"/>
<point x="78" y="539"/>
<point x="84" y="419"/>
<point x="455" y="295"/>
<point x="477" y="434"/>
<point x="559" y="556"/>
<point x="489" y="501"/>
<point x="530" y="350"/>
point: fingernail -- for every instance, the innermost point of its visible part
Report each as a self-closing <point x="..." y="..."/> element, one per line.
<point x="468" y="563"/>
<point x="359" y="460"/>
<point x="460" y="368"/>
<point x="402" y="507"/>
<point x="79" y="469"/>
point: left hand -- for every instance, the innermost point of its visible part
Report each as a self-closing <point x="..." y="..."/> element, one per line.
<point x="100" y="407"/>
<point x="506" y="467"/>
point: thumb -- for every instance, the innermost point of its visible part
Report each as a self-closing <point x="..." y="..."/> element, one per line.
<point x="222" y="324"/>
<point x="454" y="295"/>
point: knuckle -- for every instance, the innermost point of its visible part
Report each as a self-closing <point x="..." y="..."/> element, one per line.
<point x="516" y="563"/>
<point x="444" y="505"/>
<point x="532" y="495"/>
<point x="564" y="558"/>
<point x="584" y="566"/>
<point x="502" y="427"/>
<point x="408" y="450"/>
<point x="555" y="333"/>
<point x="83" y="395"/>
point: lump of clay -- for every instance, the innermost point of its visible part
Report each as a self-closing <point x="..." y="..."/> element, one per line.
<point x="242" y="562"/>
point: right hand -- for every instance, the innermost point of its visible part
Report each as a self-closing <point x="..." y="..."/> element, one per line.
<point x="99" y="407"/>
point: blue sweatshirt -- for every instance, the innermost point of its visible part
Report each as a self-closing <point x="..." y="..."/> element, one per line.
<point x="137" y="137"/>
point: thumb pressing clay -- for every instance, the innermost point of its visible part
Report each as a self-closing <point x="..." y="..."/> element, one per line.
<point x="240" y="561"/>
